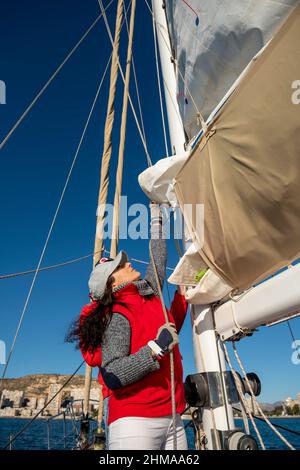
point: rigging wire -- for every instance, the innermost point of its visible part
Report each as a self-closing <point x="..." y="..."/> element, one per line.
<point x="241" y="395"/>
<point x="53" y="222"/>
<point x="123" y="78"/>
<point x="279" y="426"/>
<point x="43" y="89"/>
<point x="11" y="440"/>
<point x="75" y="260"/>
<point x="255" y="400"/>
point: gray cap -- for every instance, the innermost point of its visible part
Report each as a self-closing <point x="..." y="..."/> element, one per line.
<point x="102" y="271"/>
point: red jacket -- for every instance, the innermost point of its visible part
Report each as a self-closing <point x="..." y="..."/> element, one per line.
<point x="145" y="315"/>
<point x="151" y="395"/>
<point x="94" y="359"/>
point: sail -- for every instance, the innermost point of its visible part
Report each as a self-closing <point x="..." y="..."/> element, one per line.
<point x="213" y="41"/>
<point x="246" y="171"/>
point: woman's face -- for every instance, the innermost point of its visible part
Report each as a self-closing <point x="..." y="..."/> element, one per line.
<point x="125" y="273"/>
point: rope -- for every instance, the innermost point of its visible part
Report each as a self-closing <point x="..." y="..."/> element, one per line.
<point x="242" y="330"/>
<point x="242" y="398"/>
<point x="43" y="89"/>
<point x="38" y="414"/>
<point x="258" y="405"/>
<point x="119" y="175"/>
<point x="66" y="263"/>
<point x="159" y="88"/>
<point x="104" y="178"/>
<point x="123" y="78"/>
<point x="107" y="146"/>
<point x="52" y="225"/>
<point x="171" y="352"/>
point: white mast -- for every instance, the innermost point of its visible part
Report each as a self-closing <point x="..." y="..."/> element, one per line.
<point x="169" y="79"/>
<point x="209" y="356"/>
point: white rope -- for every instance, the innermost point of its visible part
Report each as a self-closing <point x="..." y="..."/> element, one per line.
<point x="159" y="88"/>
<point x="245" y="418"/>
<point x="43" y="89"/>
<point x="257" y="404"/>
<point x="171" y="354"/>
<point x="242" y="398"/>
<point x="53" y="223"/>
<point x="123" y="78"/>
<point x="244" y="331"/>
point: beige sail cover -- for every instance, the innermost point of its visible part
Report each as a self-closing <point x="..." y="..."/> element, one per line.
<point x="247" y="173"/>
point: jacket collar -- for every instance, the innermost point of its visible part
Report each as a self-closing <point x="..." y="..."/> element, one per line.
<point x="129" y="288"/>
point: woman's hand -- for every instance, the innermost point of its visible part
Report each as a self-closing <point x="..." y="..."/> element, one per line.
<point x="165" y="340"/>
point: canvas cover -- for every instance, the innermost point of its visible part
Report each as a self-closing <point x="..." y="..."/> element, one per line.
<point x="157" y="180"/>
<point x="247" y="172"/>
<point x="213" y="41"/>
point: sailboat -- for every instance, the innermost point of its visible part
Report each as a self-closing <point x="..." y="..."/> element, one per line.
<point x="228" y="88"/>
<point x="230" y="73"/>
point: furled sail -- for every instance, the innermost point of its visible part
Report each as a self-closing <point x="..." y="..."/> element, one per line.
<point x="246" y="171"/>
<point x="213" y="41"/>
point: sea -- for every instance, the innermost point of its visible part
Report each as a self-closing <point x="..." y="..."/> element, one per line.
<point x="37" y="437"/>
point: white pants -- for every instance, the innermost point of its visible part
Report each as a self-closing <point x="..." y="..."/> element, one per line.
<point x="146" y="433"/>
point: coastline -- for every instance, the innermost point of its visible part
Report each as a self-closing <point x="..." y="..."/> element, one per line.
<point x="40" y="417"/>
<point x="185" y="416"/>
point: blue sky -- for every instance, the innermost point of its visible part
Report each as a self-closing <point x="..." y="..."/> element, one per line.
<point x="35" y="38"/>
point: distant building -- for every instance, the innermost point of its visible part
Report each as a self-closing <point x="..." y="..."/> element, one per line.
<point x="9" y="412"/>
<point x="18" y="403"/>
<point x="11" y="399"/>
<point x="54" y="406"/>
<point x="40" y="403"/>
<point x="290" y="402"/>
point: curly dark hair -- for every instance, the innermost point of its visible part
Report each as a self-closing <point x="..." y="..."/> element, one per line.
<point x="87" y="333"/>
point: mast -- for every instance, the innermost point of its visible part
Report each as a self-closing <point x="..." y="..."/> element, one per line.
<point x="102" y="199"/>
<point x="209" y="356"/>
<point x="176" y="130"/>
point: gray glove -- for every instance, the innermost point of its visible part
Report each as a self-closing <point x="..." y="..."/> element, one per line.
<point x="166" y="339"/>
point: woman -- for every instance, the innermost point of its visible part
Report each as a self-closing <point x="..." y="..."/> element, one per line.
<point x="124" y="332"/>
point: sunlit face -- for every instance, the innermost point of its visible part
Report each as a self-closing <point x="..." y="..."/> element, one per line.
<point x="125" y="273"/>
